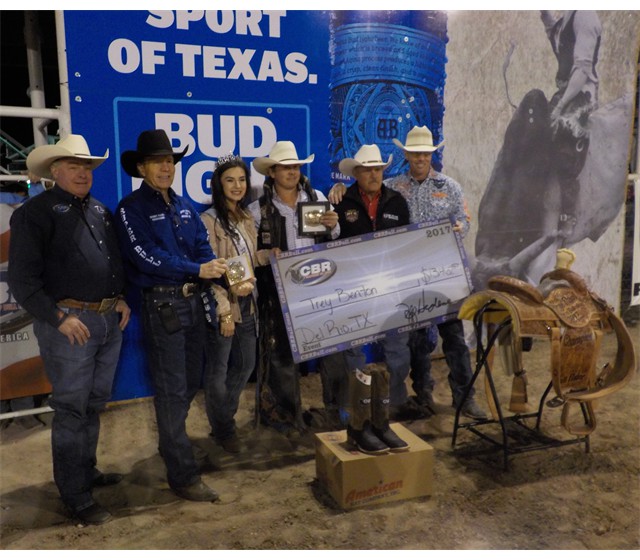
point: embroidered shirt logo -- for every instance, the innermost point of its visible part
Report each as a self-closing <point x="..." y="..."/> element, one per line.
<point x="351" y="215"/>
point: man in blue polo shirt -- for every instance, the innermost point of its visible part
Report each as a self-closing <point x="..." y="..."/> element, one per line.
<point x="167" y="255"/>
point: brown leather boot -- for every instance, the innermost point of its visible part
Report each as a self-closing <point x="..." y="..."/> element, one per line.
<point x="359" y="430"/>
<point x="380" y="409"/>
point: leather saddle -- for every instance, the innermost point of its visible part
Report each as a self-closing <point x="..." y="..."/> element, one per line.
<point x="563" y="310"/>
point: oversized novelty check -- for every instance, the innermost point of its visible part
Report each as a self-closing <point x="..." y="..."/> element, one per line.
<point x="354" y="291"/>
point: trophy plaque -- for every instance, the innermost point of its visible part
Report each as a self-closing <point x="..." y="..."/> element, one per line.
<point x="239" y="269"/>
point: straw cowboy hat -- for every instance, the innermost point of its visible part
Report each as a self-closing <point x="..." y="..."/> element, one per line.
<point x="367" y="156"/>
<point x="150" y="143"/>
<point x="282" y="153"/>
<point x="72" y="146"/>
<point x="419" y="139"/>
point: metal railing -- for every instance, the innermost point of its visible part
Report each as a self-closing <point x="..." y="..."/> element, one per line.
<point x="38" y="113"/>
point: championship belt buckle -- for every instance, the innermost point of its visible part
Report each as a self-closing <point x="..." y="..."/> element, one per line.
<point x="239" y="269"/>
<point x="312" y="218"/>
<point x="236" y="272"/>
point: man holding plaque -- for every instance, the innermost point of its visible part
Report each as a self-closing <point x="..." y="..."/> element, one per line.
<point x="432" y="196"/>
<point x="289" y="215"/>
<point x="368" y="205"/>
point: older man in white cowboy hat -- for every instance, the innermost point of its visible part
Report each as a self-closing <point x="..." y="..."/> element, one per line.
<point x="368" y="205"/>
<point x="65" y="269"/>
<point x="276" y="217"/>
<point x="433" y="196"/>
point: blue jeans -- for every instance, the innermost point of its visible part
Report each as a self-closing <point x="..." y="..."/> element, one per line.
<point x="81" y="378"/>
<point x="230" y="362"/>
<point x="176" y="365"/>
<point x="422" y="342"/>
<point x="280" y="403"/>
<point x="395" y="350"/>
<point x="456" y="353"/>
<point x="334" y="373"/>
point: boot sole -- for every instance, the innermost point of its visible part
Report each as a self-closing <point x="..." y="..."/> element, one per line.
<point x="399" y="449"/>
<point x="375" y="452"/>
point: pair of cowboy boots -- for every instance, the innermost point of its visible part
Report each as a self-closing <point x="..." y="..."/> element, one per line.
<point x="368" y="427"/>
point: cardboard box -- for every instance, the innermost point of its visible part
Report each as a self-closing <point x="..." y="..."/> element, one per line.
<point x="355" y="479"/>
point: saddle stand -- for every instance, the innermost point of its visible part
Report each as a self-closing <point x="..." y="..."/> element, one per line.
<point x="563" y="311"/>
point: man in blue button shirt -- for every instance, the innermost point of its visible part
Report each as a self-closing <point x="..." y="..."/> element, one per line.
<point x="167" y="255"/>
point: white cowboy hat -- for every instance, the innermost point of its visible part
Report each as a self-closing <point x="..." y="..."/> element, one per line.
<point x="367" y="156"/>
<point x="282" y="153"/>
<point x="419" y="139"/>
<point x="72" y="146"/>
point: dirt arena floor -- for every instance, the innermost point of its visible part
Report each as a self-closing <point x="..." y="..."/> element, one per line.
<point x="561" y="498"/>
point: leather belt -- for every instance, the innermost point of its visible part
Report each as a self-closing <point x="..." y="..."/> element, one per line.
<point x="104" y="306"/>
<point x="184" y="290"/>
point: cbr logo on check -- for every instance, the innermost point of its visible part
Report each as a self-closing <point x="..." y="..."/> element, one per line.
<point x="311" y="271"/>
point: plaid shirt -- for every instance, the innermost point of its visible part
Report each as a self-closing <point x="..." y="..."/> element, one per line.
<point x="436" y="198"/>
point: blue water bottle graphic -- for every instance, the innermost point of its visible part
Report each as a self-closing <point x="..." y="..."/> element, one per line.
<point x="387" y="76"/>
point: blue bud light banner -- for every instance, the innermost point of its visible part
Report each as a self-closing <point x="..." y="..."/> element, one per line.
<point x="221" y="81"/>
<point x="215" y="81"/>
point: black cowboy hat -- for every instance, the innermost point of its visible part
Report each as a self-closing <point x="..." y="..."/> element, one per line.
<point x="150" y="143"/>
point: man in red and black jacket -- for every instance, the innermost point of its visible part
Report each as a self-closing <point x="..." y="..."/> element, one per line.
<point x="368" y="205"/>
